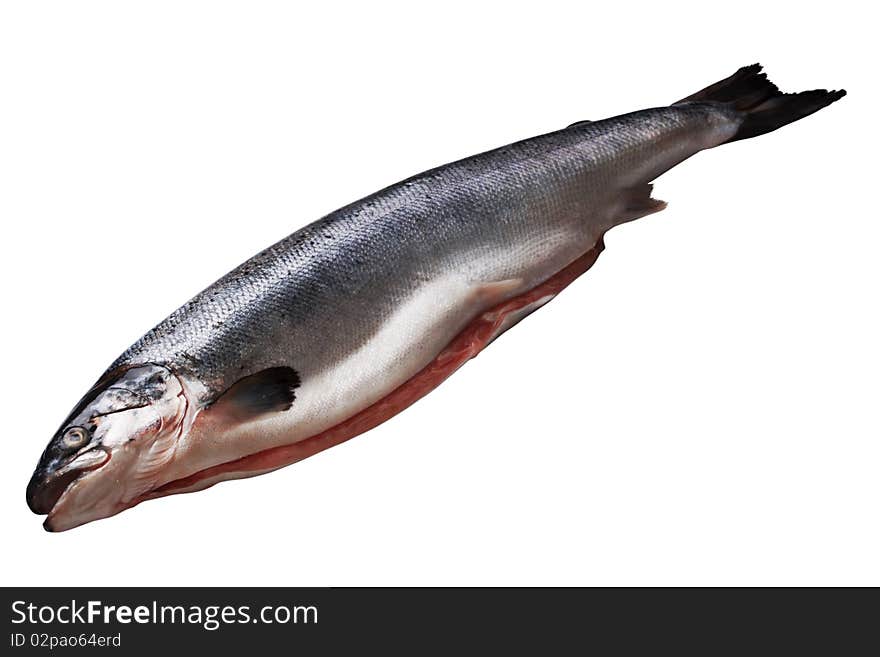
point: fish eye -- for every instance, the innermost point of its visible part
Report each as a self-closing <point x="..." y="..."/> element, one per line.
<point x="75" y="437"/>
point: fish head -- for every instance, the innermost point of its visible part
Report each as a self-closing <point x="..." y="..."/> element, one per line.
<point x="111" y="449"/>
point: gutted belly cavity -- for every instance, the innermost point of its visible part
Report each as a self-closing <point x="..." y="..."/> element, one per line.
<point x="481" y="331"/>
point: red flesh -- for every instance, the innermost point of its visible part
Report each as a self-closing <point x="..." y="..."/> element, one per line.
<point x="463" y="347"/>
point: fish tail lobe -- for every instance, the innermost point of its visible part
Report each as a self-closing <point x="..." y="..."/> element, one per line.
<point x="761" y="105"/>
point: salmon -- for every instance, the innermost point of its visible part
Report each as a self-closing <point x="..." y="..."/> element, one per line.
<point x="351" y="319"/>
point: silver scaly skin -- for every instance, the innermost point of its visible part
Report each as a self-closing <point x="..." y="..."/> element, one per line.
<point x="330" y="321"/>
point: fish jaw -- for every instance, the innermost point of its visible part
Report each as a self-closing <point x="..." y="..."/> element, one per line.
<point x="46" y="488"/>
<point x="113" y="486"/>
<point x="479" y="333"/>
<point x="85" y="499"/>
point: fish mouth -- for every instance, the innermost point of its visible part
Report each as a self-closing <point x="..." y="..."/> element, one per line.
<point x="45" y="490"/>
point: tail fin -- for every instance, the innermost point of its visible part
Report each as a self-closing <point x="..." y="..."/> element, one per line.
<point x="764" y="106"/>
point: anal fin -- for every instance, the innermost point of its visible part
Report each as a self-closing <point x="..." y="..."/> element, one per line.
<point x="636" y="202"/>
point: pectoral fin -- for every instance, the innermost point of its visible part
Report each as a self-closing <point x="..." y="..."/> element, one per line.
<point x="269" y="391"/>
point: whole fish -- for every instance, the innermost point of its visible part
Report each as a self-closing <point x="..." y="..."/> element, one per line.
<point x="351" y="319"/>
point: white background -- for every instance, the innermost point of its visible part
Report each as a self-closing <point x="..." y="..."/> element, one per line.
<point x="700" y="408"/>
